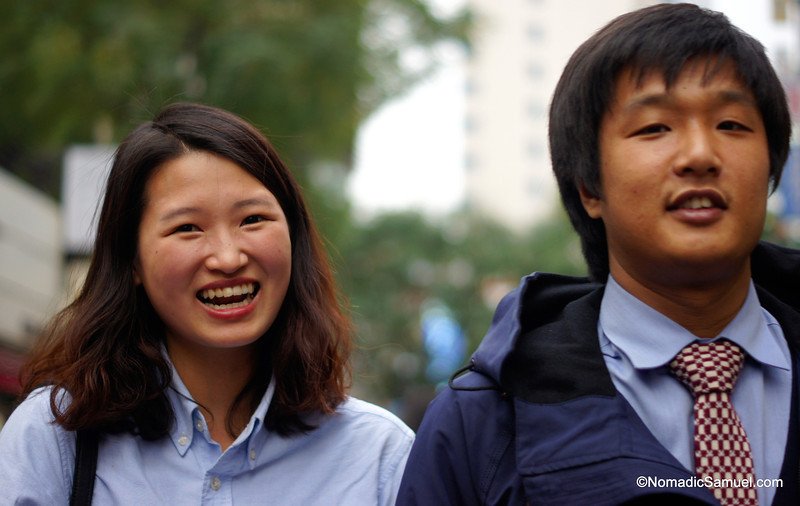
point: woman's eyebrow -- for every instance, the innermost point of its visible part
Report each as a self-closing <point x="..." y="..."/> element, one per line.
<point x="255" y="201"/>
<point x="178" y="212"/>
<point x="239" y="204"/>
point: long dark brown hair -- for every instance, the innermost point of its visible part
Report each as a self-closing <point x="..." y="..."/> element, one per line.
<point x="105" y="349"/>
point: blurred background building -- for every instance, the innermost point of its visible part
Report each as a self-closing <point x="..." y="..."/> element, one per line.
<point x="519" y="48"/>
<point x="30" y="275"/>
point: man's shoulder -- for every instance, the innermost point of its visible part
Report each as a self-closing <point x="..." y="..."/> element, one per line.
<point x="471" y="400"/>
<point x="776" y="269"/>
<point x="540" y="301"/>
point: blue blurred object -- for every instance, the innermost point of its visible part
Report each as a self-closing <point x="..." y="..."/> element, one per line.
<point x="789" y="189"/>
<point x="444" y="341"/>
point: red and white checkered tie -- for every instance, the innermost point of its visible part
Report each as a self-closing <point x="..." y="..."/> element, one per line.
<point x="722" y="451"/>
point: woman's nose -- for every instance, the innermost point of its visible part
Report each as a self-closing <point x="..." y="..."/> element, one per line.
<point x="226" y="255"/>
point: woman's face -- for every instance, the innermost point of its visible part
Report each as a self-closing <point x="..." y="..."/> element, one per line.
<point x="214" y="253"/>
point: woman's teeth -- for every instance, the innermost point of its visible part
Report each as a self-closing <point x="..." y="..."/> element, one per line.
<point x="228" y="291"/>
<point x="229" y="306"/>
<point x="229" y="297"/>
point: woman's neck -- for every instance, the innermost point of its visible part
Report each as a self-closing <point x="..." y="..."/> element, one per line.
<point x="215" y="377"/>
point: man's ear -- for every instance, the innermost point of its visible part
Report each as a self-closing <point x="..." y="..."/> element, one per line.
<point x="591" y="203"/>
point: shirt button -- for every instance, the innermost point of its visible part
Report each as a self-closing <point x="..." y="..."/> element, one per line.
<point x="216" y="483"/>
<point x="252" y="455"/>
<point x="183" y="440"/>
<point x="199" y="425"/>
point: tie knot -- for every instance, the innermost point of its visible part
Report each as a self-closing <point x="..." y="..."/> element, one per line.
<point x="708" y="367"/>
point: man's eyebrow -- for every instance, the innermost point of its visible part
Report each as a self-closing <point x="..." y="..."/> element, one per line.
<point x="723" y="97"/>
<point x="652" y="99"/>
<point x="735" y="96"/>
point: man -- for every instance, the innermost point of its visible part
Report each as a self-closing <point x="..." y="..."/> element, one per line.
<point x="668" y="129"/>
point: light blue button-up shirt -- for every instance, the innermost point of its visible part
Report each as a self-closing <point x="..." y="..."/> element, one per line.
<point x="354" y="457"/>
<point x="638" y="343"/>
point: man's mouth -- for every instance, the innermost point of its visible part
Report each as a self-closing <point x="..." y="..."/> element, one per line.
<point x="694" y="200"/>
<point x="229" y="297"/>
<point x="697" y="203"/>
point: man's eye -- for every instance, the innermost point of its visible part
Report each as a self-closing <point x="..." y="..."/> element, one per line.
<point x="250" y="220"/>
<point x="734" y="126"/>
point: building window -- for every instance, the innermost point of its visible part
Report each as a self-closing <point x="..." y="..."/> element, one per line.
<point x="535" y="189"/>
<point x="535" y="70"/>
<point x="536" y="110"/>
<point x="470" y="125"/>
<point x="535" y="32"/>
<point x="470" y="165"/>
<point x="535" y="149"/>
<point x="469" y="87"/>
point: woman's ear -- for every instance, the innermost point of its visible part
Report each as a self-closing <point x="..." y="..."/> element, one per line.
<point x="591" y="202"/>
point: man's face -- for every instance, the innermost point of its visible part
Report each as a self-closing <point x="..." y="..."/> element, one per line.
<point x="684" y="177"/>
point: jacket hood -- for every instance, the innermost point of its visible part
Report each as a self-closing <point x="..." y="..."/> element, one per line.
<point x="541" y="298"/>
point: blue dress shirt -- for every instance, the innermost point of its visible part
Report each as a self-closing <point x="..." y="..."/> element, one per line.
<point x="638" y="343"/>
<point x="355" y="456"/>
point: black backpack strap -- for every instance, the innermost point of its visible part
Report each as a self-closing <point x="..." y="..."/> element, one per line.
<point x="85" y="468"/>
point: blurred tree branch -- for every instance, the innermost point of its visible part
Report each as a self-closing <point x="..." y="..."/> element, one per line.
<point x="307" y="72"/>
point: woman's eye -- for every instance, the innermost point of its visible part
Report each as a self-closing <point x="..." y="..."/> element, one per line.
<point x="187" y="227"/>
<point x="250" y="220"/>
<point x="652" y="129"/>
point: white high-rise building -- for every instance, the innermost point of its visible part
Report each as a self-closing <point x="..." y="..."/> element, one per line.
<point x="520" y="48"/>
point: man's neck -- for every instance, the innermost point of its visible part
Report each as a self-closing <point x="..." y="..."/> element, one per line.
<point x="704" y="309"/>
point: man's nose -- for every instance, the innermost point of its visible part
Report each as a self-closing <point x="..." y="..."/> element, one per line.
<point x="698" y="153"/>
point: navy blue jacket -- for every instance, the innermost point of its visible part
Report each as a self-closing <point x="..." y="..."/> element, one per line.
<point x="537" y="419"/>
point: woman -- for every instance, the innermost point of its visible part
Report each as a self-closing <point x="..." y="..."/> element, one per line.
<point x="207" y="348"/>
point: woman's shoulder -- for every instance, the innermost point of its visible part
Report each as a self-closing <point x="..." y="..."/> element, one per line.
<point x="38" y="400"/>
<point x="33" y="421"/>
<point x="38" y="454"/>
<point x="370" y="420"/>
<point x="358" y="408"/>
<point x="38" y="403"/>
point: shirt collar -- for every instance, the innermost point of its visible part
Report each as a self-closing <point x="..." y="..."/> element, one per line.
<point x="255" y="432"/>
<point x="186" y="412"/>
<point x="649" y="339"/>
<point x="183" y="408"/>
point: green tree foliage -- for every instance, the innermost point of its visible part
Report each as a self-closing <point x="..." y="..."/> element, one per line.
<point x="395" y="264"/>
<point x="305" y="71"/>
